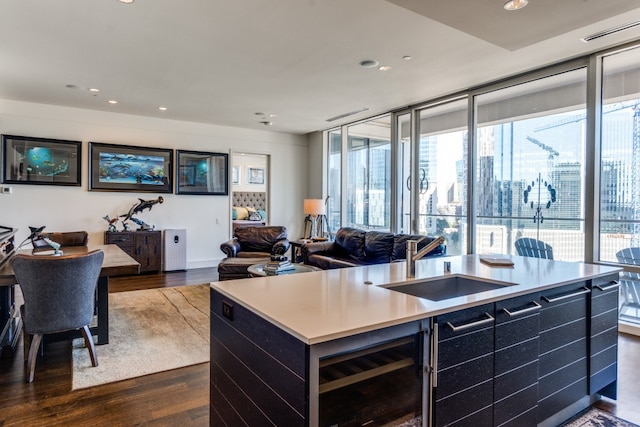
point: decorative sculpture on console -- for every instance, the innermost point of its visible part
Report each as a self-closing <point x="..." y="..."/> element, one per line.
<point x="141" y="206"/>
<point x="111" y="222"/>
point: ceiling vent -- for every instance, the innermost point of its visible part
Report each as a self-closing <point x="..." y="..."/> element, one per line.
<point x="342" y="116"/>
<point x="610" y="31"/>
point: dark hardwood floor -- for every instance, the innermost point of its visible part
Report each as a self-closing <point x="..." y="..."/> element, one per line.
<point x="173" y="398"/>
<point x="179" y="397"/>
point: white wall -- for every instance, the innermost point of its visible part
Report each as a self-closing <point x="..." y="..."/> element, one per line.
<point x="206" y="218"/>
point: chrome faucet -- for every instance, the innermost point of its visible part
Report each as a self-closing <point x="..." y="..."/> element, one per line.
<point x="414" y="255"/>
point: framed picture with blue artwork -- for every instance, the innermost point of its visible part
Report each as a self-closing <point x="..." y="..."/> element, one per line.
<point x="202" y="173"/>
<point x="128" y="168"/>
<point x="30" y="160"/>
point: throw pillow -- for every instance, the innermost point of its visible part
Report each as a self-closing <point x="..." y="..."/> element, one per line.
<point x="255" y="216"/>
<point x="241" y="213"/>
<point x="263" y="213"/>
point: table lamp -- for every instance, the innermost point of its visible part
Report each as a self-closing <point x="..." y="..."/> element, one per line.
<point x="314" y="209"/>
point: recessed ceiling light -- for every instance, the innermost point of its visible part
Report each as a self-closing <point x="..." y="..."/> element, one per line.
<point x="260" y="114"/>
<point x="515" y="4"/>
<point x="94" y="89"/>
<point x="369" y="63"/>
<point x="407" y="57"/>
<point x="266" y="123"/>
<point x="384" y="67"/>
<point x="72" y="86"/>
<point x="126" y="1"/>
<point x="112" y="101"/>
<point x="162" y="108"/>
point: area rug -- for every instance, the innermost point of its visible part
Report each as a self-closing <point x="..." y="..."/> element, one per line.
<point x="594" y="417"/>
<point x="150" y="331"/>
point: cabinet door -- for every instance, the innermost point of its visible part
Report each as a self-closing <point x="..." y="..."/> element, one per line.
<point x="563" y="364"/>
<point x="148" y="250"/>
<point x="515" y="388"/>
<point x="462" y="367"/>
<point x="603" y="349"/>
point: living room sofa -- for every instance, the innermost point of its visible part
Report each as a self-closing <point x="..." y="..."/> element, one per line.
<point x="352" y="247"/>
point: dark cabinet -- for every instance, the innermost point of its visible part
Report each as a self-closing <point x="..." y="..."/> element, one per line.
<point x="143" y="246"/>
<point x="603" y="336"/>
<point x="515" y="388"/>
<point x="563" y="367"/>
<point x="463" y="367"/>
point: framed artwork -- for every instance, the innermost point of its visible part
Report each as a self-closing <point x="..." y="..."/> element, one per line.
<point x="128" y="168"/>
<point x="28" y="160"/>
<point x="235" y="175"/>
<point x="202" y="173"/>
<point x="255" y="175"/>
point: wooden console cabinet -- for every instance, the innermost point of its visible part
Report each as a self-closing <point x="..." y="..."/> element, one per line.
<point x="144" y="246"/>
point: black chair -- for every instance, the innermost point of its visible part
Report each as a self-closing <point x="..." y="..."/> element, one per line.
<point x="629" y="284"/>
<point x="527" y="246"/>
<point x="59" y="295"/>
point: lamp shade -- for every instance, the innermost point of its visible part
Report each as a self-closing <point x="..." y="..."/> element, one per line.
<point x="313" y="207"/>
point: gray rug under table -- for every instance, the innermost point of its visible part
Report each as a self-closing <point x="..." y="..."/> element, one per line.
<point x="150" y="331"/>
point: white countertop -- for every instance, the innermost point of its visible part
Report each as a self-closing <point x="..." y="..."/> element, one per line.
<point x="325" y="305"/>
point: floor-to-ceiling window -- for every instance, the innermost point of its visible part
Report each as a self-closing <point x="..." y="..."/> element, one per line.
<point x="530" y="150"/>
<point x="334" y="179"/>
<point x="620" y="174"/>
<point x="538" y="161"/>
<point x="368" y="175"/>
<point x="403" y="167"/>
<point x="442" y="173"/>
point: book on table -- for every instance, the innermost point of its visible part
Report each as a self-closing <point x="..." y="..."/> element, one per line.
<point x="278" y="266"/>
<point x="497" y="260"/>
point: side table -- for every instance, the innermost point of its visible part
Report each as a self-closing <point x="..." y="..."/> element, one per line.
<point x="297" y="244"/>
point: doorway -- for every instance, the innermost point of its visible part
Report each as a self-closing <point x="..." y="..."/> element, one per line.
<point x="249" y="189"/>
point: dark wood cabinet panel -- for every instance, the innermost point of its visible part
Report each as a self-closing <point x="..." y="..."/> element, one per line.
<point x="603" y="336"/>
<point x="563" y="365"/>
<point x="143" y="246"/>
<point x="464" y="390"/>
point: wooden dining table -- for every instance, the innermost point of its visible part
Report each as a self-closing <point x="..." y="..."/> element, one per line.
<point x="116" y="263"/>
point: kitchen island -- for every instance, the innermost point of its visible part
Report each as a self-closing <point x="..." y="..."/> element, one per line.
<point x="338" y="348"/>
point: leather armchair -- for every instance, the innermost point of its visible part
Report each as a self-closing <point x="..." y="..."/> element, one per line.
<point x="256" y="242"/>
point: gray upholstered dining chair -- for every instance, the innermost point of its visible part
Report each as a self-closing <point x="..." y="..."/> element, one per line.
<point x="59" y="295"/>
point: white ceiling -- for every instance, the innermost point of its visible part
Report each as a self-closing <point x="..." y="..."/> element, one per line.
<point x="221" y="61"/>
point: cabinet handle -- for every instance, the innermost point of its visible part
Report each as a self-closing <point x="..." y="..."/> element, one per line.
<point x="612" y="285"/>
<point x="535" y="307"/>
<point x="459" y="328"/>
<point x="434" y="357"/>
<point x="584" y="290"/>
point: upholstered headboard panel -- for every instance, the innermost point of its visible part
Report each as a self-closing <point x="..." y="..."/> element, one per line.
<point x="252" y="199"/>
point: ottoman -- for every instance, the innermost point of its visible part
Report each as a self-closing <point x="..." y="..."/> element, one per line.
<point x="236" y="268"/>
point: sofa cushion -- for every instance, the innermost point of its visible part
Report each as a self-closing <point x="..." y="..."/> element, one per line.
<point x="400" y="245"/>
<point x="259" y="239"/>
<point x="378" y="246"/>
<point x="349" y="242"/>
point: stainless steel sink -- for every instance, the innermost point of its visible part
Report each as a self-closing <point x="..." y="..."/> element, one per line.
<point x="445" y="288"/>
